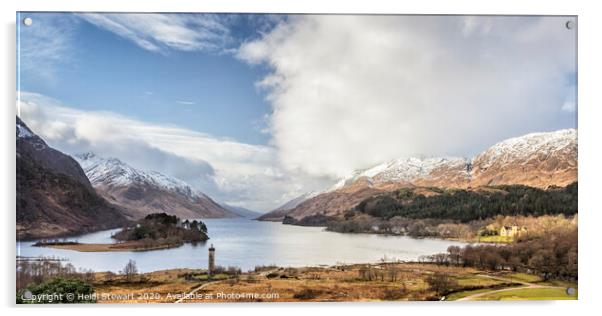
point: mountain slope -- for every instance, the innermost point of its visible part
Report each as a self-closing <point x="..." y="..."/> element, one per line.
<point x="278" y="214"/>
<point x="433" y="171"/>
<point x="144" y="192"/>
<point x="361" y="184"/>
<point x="54" y="196"/>
<point x="538" y="160"/>
<point x="241" y="211"/>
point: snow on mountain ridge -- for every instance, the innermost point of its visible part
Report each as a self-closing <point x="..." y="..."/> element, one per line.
<point x="507" y="151"/>
<point x="406" y="169"/>
<point x="539" y="160"/>
<point x="116" y="173"/>
<point x="401" y="169"/>
<point x="522" y="147"/>
<point x="298" y="200"/>
<point x="23" y="132"/>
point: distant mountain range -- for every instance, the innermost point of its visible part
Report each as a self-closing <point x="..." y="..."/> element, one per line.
<point x="539" y="160"/>
<point x="54" y="196"/>
<point x="241" y="211"/>
<point x="279" y="213"/>
<point x="141" y="192"/>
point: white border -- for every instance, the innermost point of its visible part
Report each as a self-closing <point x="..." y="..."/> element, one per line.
<point x="589" y="144"/>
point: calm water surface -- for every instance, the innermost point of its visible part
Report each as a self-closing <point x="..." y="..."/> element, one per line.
<point x="246" y="243"/>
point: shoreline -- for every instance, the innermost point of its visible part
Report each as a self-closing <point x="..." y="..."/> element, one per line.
<point x="462" y="240"/>
<point x="117" y="247"/>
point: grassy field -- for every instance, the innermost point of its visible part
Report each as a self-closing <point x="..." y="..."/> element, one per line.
<point x="565" y="284"/>
<point x="495" y="239"/>
<point x="154" y="287"/>
<point x="316" y="284"/>
<point x="530" y="294"/>
<point x="458" y="295"/>
<point x="524" y="277"/>
<point x="475" y="284"/>
<point x="312" y="284"/>
<point x="471" y="280"/>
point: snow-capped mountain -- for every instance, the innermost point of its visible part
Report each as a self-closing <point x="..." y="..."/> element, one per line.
<point x="525" y="147"/>
<point x="361" y="184"/>
<point x="298" y="200"/>
<point x="554" y="152"/>
<point x="23" y="131"/>
<point x="404" y="170"/>
<point x="54" y="196"/>
<point x="113" y="172"/>
<point x="539" y="160"/>
<point x="144" y="192"/>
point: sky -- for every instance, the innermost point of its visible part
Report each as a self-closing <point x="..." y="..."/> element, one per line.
<point x="255" y="110"/>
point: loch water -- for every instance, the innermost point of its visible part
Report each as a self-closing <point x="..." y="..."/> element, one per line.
<point x="246" y="243"/>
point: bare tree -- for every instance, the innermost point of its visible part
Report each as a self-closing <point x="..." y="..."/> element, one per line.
<point x="130" y="270"/>
<point x="441" y="283"/>
<point x="455" y="253"/>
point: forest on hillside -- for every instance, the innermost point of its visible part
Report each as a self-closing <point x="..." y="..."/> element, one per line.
<point x="469" y="205"/>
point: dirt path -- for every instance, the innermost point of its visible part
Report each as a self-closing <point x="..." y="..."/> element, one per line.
<point x="526" y="285"/>
<point x="191" y="293"/>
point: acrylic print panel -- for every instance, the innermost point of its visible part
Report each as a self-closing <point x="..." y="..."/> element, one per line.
<point x="192" y="158"/>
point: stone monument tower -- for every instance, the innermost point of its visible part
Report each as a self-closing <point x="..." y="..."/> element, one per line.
<point x="211" y="260"/>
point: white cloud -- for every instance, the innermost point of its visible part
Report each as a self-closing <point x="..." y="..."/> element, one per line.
<point x="347" y="92"/>
<point x="570" y="103"/>
<point x="185" y="102"/>
<point x="352" y="91"/>
<point x="161" y="32"/>
<point x="569" y="106"/>
<point x="229" y="171"/>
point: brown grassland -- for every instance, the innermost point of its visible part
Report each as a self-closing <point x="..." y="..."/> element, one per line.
<point x="383" y="282"/>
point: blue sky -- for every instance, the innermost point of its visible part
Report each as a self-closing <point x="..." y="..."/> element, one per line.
<point x="208" y="92"/>
<point x="255" y="110"/>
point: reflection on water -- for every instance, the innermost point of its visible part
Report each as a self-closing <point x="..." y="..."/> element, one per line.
<point x="246" y="243"/>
